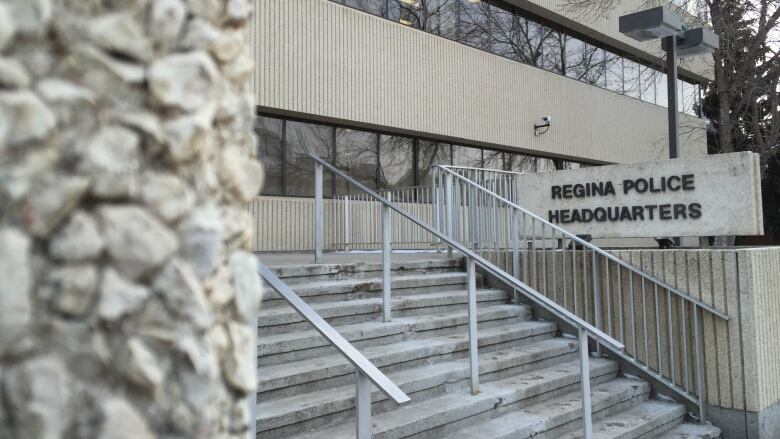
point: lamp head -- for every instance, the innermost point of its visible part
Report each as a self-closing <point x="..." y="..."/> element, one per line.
<point x="651" y="24"/>
<point x="698" y="42"/>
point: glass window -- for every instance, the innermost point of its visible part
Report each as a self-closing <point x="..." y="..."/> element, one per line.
<point x="573" y="50"/>
<point x="269" y="152"/>
<point x="475" y="24"/>
<point x="466" y="156"/>
<point x="613" y="66"/>
<point x="493" y="159"/>
<point x="571" y="165"/>
<point x="545" y="165"/>
<point x="439" y="17"/>
<point x="647" y="84"/>
<point x="356" y="154"/>
<point x="300" y="139"/>
<point x="429" y="155"/>
<point x="373" y="7"/>
<point x="594" y="67"/>
<point x="505" y="33"/>
<point x="680" y="97"/>
<point x="661" y="92"/>
<point x="689" y="98"/>
<point x="553" y="51"/>
<point x="631" y="78"/>
<point x="519" y="163"/>
<point x="396" y="162"/>
<point x="584" y="62"/>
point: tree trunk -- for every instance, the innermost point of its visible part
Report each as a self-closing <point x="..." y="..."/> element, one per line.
<point x="126" y="288"/>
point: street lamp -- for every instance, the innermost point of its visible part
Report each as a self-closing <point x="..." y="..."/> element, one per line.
<point x="662" y="22"/>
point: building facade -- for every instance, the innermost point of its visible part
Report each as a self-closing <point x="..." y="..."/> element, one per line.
<point x="385" y="89"/>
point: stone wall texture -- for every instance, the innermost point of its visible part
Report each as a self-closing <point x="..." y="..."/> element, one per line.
<point x="126" y="288"/>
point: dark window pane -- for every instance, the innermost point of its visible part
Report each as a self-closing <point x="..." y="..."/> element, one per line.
<point x="545" y="165"/>
<point x="533" y="43"/>
<point x="647" y="84"/>
<point x="554" y="51"/>
<point x="269" y="152"/>
<point x="519" y="163"/>
<point x="373" y="7"/>
<point x="689" y="98"/>
<point x="396" y="162"/>
<point x="493" y="159"/>
<point x="466" y="156"/>
<point x="431" y="154"/>
<point x="595" y="68"/>
<point x="515" y="37"/>
<point x="631" y="81"/>
<point x="505" y="32"/>
<point x="571" y="165"/>
<point x="302" y="138"/>
<point x="435" y="16"/>
<point x="613" y="66"/>
<point x="662" y="93"/>
<point x="475" y="24"/>
<point x="584" y="62"/>
<point x="356" y="156"/>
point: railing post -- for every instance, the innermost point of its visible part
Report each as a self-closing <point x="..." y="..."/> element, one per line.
<point x="449" y="209"/>
<point x="435" y="178"/>
<point x="700" y="386"/>
<point x="587" y="421"/>
<point x="597" y="298"/>
<point x="252" y="398"/>
<point x="471" y="281"/>
<point x="318" y="213"/>
<point x="515" y="251"/>
<point x="362" y="406"/>
<point x="386" y="243"/>
<point x="346" y="223"/>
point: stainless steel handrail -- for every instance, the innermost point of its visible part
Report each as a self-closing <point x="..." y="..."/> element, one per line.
<point x="582" y="242"/>
<point x="487" y="265"/>
<point x="584" y="328"/>
<point x="366" y="372"/>
<point x="468" y="200"/>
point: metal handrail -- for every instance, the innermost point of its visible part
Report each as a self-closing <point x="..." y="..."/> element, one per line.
<point x="483" y="210"/>
<point x="366" y="372"/>
<point x="485" y="264"/>
<point x="582" y="242"/>
<point x="584" y="329"/>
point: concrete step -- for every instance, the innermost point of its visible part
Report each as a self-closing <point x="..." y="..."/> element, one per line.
<point x="547" y="418"/>
<point x="690" y="431"/>
<point x="295" y="274"/>
<point x="432" y="417"/>
<point x="283" y="319"/>
<point x="312" y="410"/>
<point x="292" y="346"/>
<point x="287" y="379"/>
<point x="641" y="421"/>
<point x="349" y="289"/>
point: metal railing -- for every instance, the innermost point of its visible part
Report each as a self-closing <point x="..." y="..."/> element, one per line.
<point x="584" y="329"/>
<point x="353" y="221"/>
<point x="365" y="372"/>
<point x="660" y="325"/>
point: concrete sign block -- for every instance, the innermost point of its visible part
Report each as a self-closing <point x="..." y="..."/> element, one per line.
<point x="708" y="196"/>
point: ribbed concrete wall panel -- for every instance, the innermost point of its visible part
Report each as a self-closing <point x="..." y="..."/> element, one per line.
<point x="325" y="61"/>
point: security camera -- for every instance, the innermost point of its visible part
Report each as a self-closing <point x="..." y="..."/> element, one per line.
<point x="546" y="124"/>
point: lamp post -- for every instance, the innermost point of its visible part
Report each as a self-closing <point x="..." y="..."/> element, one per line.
<point x="661" y="22"/>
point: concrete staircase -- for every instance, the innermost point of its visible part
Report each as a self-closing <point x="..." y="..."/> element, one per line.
<point x="529" y="372"/>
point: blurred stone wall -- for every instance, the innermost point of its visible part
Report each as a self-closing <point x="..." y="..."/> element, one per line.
<point x="126" y="288"/>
